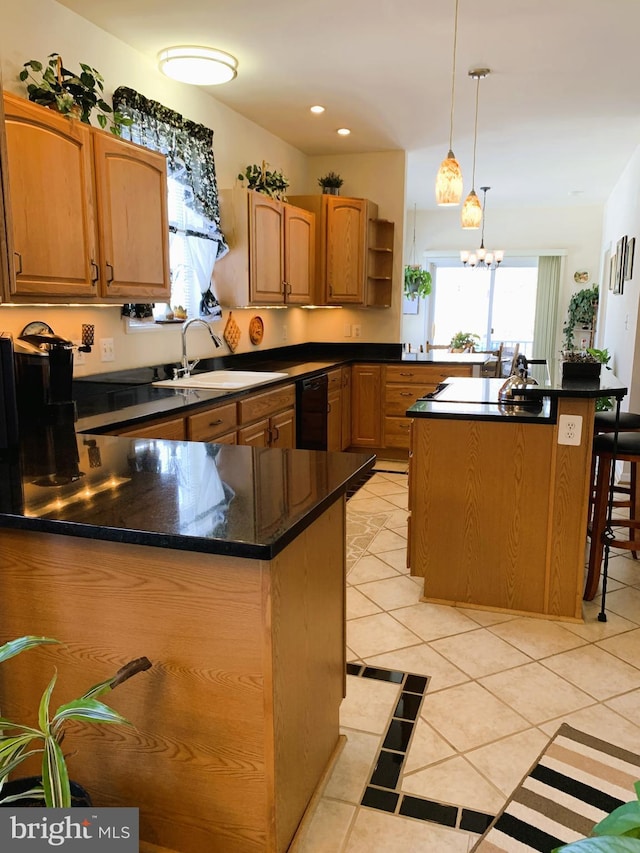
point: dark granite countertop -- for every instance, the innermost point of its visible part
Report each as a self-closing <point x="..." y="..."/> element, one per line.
<point x="108" y="401"/>
<point x="218" y="499"/>
<point x="477" y="399"/>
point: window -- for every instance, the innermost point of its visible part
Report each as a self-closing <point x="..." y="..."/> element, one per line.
<point x="498" y="305"/>
<point x="196" y="239"/>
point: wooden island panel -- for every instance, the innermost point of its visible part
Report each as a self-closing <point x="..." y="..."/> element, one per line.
<point x="499" y="513"/>
<point x="236" y="722"/>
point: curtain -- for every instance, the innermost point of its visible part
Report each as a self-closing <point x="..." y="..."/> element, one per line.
<point x="545" y="326"/>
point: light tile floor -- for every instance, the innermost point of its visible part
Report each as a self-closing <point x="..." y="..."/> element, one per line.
<point x="499" y="686"/>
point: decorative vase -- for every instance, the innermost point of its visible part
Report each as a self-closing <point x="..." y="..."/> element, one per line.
<point x="79" y="796"/>
<point x="330" y="191"/>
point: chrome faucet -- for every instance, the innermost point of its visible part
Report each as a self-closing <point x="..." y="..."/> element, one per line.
<point x="188" y="366"/>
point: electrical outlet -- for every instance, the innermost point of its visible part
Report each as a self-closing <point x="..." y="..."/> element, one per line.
<point x="570" y="429"/>
<point x="79" y="358"/>
<point x="356" y="330"/>
<point x="107" y="351"/>
<point x="347" y="330"/>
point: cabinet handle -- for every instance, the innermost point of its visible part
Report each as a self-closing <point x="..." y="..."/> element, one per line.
<point x="216" y="423"/>
<point x="406" y="374"/>
<point x="274" y="434"/>
<point x="328" y="407"/>
<point x="406" y="394"/>
<point x="95" y="272"/>
<point x="19" y="264"/>
<point x="110" y="273"/>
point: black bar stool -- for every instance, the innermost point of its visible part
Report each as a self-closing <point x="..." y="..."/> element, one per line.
<point x="627" y="450"/>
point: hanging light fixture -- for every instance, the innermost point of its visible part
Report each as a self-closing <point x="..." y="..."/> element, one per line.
<point x="471" y="214"/>
<point x="201" y="66"/>
<point x="449" y="177"/>
<point x="482" y="259"/>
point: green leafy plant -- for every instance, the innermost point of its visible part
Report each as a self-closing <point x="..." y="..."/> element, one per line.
<point x="18" y="742"/>
<point x="464" y="341"/>
<point x="75" y="95"/>
<point x="582" y="310"/>
<point x="417" y="282"/>
<point x="619" y="832"/>
<point x="331" y="179"/>
<point x="263" y="180"/>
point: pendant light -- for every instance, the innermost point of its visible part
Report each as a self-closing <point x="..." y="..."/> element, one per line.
<point x="449" y="177"/>
<point x="481" y="259"/>
<point x="471" y="214"/>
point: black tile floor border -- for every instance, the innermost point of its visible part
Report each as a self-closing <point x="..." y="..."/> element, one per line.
<point x="382" y="789"/>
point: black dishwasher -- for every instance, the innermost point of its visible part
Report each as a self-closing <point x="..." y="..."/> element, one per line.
<point x="311" y="413"/>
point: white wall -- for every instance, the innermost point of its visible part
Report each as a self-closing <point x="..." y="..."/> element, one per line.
<point x="619" y="312"/>
<point x="32" y="29"/>
<point x="573" y="231"/>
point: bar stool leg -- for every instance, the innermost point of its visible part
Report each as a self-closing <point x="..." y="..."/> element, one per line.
<point x="633" y="501"/>
<point x="598" y="525"/>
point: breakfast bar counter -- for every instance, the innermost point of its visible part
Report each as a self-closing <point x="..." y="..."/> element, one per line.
<point x="225" y="566"/>
<point x="499" y="494"/>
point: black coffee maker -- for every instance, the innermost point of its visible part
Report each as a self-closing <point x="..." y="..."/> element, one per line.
<point x="44" y="375"/>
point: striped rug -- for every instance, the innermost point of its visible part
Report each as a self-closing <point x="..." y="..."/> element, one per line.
<point x="577" y="780"/>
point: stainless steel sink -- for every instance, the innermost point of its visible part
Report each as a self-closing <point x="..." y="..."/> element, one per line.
<point x="231" y="380"/>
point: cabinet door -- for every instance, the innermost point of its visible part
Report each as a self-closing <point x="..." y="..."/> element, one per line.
<point x="211" y="424"/>
<point x="366" y="408"/>
<point x="299" y="254"/>
<point x="50" y="178"/>
<point x="346" y="239"/>
<point x="131" y="184"/>
<point x="346" y="407"/>
<point x="266" y="262"/>
<point x="334" y="420"/>
<point x="256" y="435"/>
<point x="283" y="429"/>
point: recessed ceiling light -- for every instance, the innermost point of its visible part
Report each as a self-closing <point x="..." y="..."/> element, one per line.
<point x="343" y="131"/>
<point x="201" y="66"/>
<point x="317" y="109"/>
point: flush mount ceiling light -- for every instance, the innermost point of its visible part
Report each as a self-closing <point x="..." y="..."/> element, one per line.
<point x="482" y="259"/>
<point x="201" y="66"/>
<point x="471" y="214"/>
<point x="343" y="131"/>
<point x="317" y="109"/>
<point x="449" y="177"/>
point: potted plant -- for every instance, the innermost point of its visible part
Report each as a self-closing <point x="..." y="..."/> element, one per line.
<point x="263" y="180"/>
<point x="72" y="94"/>
<point x="20" y="741"/>
<point x="417" y="282"/>
<point x="464" y="342"/>
<point x="330" y="183"/>
<point x="584" y="364"/>
<point x="581" y="313"/>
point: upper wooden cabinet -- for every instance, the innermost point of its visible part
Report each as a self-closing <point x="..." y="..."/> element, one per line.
<point x="271" y="257"/>
<point x="354" y="251"/>
<point x="88" y="211"/>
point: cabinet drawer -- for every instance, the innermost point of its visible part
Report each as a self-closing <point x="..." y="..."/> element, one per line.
<point x="208" y="425"/>
<point x="262" y="405"/>
<point x="398" y="398"/>
<point x="425" y="373"/>
<point x="397" y="432"/>
<point x="173" y="430"/>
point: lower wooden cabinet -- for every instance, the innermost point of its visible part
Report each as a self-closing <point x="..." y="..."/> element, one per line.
<point x="268" y="419"/>
<point x="212" y="424"/>
<point x="366" y="405"/>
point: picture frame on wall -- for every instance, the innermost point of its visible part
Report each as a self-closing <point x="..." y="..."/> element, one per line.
<point x="621" y="258"/>
<point x="628" y="267"/>
<point x="612" y="272"/>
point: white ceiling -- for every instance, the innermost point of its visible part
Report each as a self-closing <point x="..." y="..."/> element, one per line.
<point x="559" y="114"/>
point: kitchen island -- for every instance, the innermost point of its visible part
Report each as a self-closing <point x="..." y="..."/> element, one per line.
<point x="498" y="498"/>
<point x="225" y="566"/>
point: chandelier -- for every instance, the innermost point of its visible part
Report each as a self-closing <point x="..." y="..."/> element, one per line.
<point x="482" y="259"/>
